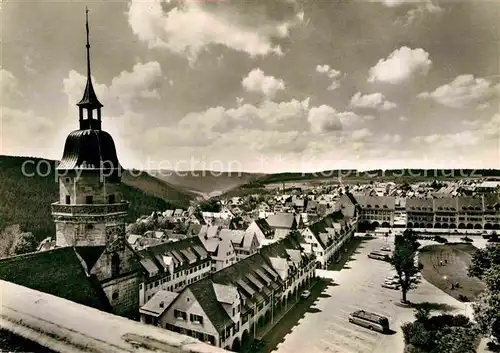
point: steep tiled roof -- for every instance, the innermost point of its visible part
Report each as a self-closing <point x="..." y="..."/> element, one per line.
<point x="281" y="220"/>
<point x="159" y="302"/>
<point x="491" y="201"/>
<point x="445" y="204"/>
<point x="204" y="293"/>
<point x="376" y="202"/>
<point x="225" y="294"/>
<point x="250" y="277"/>
<point x="58" y="272"/>
<point x="419" y="204"/>
<point x="470" y="203"/>
<point x="263" y="226"/>
<point x="235" y="236"/>
<point x="180" y="251"/>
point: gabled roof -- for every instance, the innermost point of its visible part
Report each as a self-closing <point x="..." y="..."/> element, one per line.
<point x="226" y="294"/>
<point x="149" y="265"/>
<point x="235" y="236"/>
<point x="248" y="240"/>
<point x="204" y="292"/>
<point x="281" y="220"/>
<point x="263" y="226"/>
<point x="59" y="272"/>
<point x="182" y="252"/>
<point x="249" y="277"/>
<point x="159" y="303"/>
<point x="419" y="204"/>
<point x="376" y="202"/>
<point x="445" y="204"/>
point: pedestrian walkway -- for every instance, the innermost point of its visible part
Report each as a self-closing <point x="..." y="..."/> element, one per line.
<point x="282" y="313"/>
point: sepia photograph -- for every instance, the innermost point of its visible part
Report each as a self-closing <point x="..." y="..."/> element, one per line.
<point x="252" y="176"/>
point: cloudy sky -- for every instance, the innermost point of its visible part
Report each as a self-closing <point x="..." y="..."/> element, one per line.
<point x="263" y="85"/>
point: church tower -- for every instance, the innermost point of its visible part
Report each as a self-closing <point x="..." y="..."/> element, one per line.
<point x="90" y="211"/>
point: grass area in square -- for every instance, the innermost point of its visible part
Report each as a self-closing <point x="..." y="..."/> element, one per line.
<point x="455" y="260"/>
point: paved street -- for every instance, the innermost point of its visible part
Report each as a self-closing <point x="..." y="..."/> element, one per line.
<point x="325" y="328"/>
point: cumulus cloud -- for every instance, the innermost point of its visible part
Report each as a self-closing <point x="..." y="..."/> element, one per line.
<point x="361" y="134"/>
<point x="268" y="115"/>
<point x="400" y="65"/>
<point x="371" y="101"/>
<point x="266" y="128"/>
<point x="124" y="91"/>
<point x="419" y="13"/>
<point x="190" y="27"/>
<point x="393" y="3"/>
<point x="256" y="81"/>
<point x="479" y="132"/>
<point x="331" y="73"/>
<point x="326" y="119"/>
<point x="32" y="129"/>
<point x="9" y="85"/>
<point x="391" y="138"/>
<point x="463" y="91"/>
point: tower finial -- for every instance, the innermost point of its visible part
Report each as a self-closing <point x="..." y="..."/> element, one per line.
<point x="88" y="41"/>
<point x="89" y="100"/>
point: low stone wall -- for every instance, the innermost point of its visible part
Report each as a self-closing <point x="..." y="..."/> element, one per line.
<point x="64" y="326"/>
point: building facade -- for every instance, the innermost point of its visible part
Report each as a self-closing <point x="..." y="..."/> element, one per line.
<point x="327" y="237"/>
<point x="228" y="307"/>
<point x="172" y="266"/>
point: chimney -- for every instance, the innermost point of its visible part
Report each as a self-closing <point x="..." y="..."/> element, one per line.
<point x="162" y="304"/>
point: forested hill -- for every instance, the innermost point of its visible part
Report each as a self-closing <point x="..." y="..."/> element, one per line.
<point x="26" y="197"/>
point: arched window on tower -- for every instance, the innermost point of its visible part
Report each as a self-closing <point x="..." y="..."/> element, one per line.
<point x="115" y="265"/>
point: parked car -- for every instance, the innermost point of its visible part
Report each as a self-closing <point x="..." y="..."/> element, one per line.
<point x="391" y="279"/>
<point x="390" y="285"/>
<point x="305" y="294"/>
<point x="385" y="248"/>
<point x="257" y="346"/>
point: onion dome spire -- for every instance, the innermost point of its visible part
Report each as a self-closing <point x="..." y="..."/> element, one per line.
<point x="89" y="100"/>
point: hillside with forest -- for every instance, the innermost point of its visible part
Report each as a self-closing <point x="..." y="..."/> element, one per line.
<point x="26" y="197"/>
<point x="205" y="181"/>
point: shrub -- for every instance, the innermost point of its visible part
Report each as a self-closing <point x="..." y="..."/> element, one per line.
<point x="440" y="239"/>
<point x="463" y="298"/>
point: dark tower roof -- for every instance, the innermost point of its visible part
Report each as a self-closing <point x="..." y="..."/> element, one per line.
<point x="90" y="148"/>
<point x="89" y="99"/>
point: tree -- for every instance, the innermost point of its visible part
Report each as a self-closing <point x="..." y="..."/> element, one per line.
<point x="486" y="266"/>
<point x="211" y="205"/>
<point x="487" y="306"/>
<point x="8" y="238"/>
<point x="483" y="259"/>
<point x="438" y="334"/>
<point x="25" y="243"/>
<point x="403" y="260"/>
<point x="457" y="340"/>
